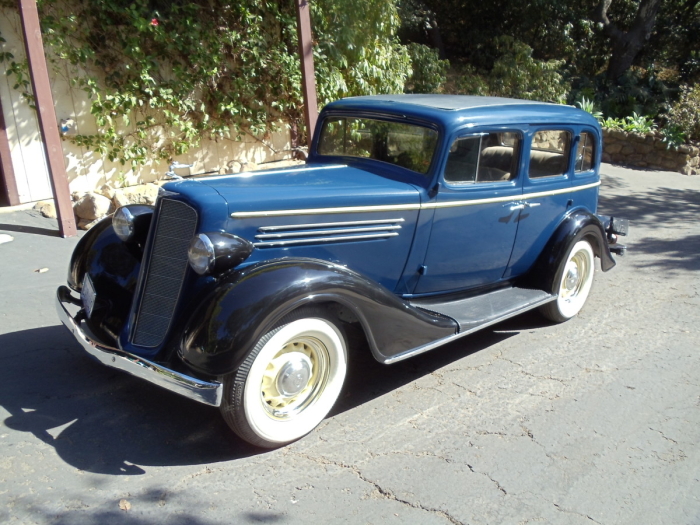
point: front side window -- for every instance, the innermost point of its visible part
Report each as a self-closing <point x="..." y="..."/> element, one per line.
<point x="549" y="153"/>
<point x="486" y="157"/>
<point x="406" y="145"/>
<point x="584" y="153"/>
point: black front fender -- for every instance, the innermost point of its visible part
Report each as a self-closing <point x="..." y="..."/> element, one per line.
<point x="113" y="266"/>
<point x="228" y="322"/>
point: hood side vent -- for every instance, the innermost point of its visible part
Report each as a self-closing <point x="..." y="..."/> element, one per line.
<point x="327" y="232"/>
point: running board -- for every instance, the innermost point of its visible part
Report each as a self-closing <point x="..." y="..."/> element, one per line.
<point x="475" y="313"/>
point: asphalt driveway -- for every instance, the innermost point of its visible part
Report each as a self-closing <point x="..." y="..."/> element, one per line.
<point x="594" y="420"/>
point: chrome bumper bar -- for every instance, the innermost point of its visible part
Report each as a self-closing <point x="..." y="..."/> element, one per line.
<point x="206" y="392"/>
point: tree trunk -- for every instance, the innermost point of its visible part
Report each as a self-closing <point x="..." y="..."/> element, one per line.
<point x="436" y="37"/>
<point x="627" y="45"/>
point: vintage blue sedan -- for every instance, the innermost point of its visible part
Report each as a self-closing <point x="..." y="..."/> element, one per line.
<point x="417" y="220"/>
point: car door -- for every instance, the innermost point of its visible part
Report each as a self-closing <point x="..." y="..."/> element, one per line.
<point x="546" y="192"/>
<point x="475" y="213"/>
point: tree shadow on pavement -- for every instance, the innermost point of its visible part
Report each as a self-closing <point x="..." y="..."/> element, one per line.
<point x="661" y="208"/>
<point x="673" y="254"/>
<point x="671" y="214"/>
<point x="104" y="421"/>
<point x="101" y="420"/>
<point x="368" y="379"/>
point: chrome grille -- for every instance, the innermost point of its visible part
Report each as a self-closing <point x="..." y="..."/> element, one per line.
<point x="165" y="271"/>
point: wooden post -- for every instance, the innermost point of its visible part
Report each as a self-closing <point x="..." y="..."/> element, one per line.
<point x="306" y="54"/>
<point x="48" y="125"/>
<point x="9" y="183"/>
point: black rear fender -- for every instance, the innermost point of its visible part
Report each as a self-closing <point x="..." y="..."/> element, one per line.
<point x="578" y="225"/>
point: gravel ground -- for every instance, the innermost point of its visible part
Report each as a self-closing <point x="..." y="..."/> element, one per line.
<point x="594" y="420"/>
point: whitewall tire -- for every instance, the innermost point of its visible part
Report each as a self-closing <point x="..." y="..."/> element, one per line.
<point x="573" y="283"/>
<point x="289" y="381"/>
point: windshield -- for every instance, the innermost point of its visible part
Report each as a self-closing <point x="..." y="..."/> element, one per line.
<point x="406" y="145"/>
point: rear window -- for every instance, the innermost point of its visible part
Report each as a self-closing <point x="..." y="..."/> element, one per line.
<point x="585" y="153"/>
<point x="549" y="153"/>
<point x="406" y="145"/>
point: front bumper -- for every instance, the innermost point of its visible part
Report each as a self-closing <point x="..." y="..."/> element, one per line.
<point x="206" y="392"/>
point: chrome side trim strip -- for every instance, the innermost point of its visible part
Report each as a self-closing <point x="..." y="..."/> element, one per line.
<point x="209" y="393"/>
<point x="524" y="196"/>
<point x="341" y="238"/>
<point x="326" y="225"/>
<point x="319" y="211"/>
<point x="430" y="346"/>
<point x="325" y="232"/>
<point x="398" y="207"/>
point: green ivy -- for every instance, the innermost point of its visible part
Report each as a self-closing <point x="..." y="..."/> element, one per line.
<point x="163" y="75"/>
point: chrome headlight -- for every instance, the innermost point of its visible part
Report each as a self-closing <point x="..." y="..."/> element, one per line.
<point x="123" y="223"/>
<point x="132" y="222"/>
<point x="201" y="254"/>
<point x="217" y="252"/>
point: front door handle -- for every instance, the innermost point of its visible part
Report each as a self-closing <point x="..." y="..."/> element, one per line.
<point x="517" y="205"/>
<point x="531" y="204"/>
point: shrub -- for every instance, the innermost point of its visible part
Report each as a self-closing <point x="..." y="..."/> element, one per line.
<point x="470" y="82"/>
<point x="589" y="106"/>
<point x="639" y="124"/>
<point x="634" y="124"/>
<point x="429" y="72"/>
<point x="685" y="114"/>
<point x="612" y="123"/>
<point x="516" y="74"/>
<point x="673" y="136"/>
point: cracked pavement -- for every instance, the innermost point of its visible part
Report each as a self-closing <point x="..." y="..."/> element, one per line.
<point x="596" y="420"/>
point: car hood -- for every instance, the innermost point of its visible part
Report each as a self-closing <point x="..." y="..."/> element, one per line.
<point x="309" y="187"/>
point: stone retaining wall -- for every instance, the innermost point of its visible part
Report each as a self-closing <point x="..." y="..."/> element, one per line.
<point x="649" y="151"/>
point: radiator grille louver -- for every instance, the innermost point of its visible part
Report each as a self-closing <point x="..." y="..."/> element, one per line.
<point x="165" y="272"/>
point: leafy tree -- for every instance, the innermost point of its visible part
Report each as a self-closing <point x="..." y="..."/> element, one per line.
<point x="626" y="45"/>
<point x="162" y="74"/>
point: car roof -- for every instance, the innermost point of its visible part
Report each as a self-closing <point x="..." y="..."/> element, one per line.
<point x="459" y="110"/>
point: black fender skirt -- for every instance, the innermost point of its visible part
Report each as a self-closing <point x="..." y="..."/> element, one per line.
<point x="246" y="304"/>
<point x="577" y="225"/>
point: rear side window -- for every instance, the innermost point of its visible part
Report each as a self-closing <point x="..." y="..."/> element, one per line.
<point x="549" y="153"/>
<point x="486" y="157"/>
<point x="585" y="153"/>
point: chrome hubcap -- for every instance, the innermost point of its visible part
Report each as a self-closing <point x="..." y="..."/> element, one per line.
<point x="571" y="278"/>
<point x="295" y="377"/>
<point x="575" y="275"/>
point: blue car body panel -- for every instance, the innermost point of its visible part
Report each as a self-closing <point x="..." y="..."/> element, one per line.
<point x="411" y="234"/>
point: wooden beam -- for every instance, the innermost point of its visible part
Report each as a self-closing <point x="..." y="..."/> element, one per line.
<point x="308" y="77"/>
<point x="9" y="183"/>
<point x="48" y="125"/>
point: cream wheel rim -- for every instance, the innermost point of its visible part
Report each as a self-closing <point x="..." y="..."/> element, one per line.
<point x="294" y="378"/>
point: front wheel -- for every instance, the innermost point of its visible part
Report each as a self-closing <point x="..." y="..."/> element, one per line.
<point x="289" y="382"/>
<point x="573" y="283"/>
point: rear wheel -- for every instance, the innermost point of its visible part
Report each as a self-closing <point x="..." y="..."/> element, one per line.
<point x="289" y="381"/>
<point x="573" y="283"/>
